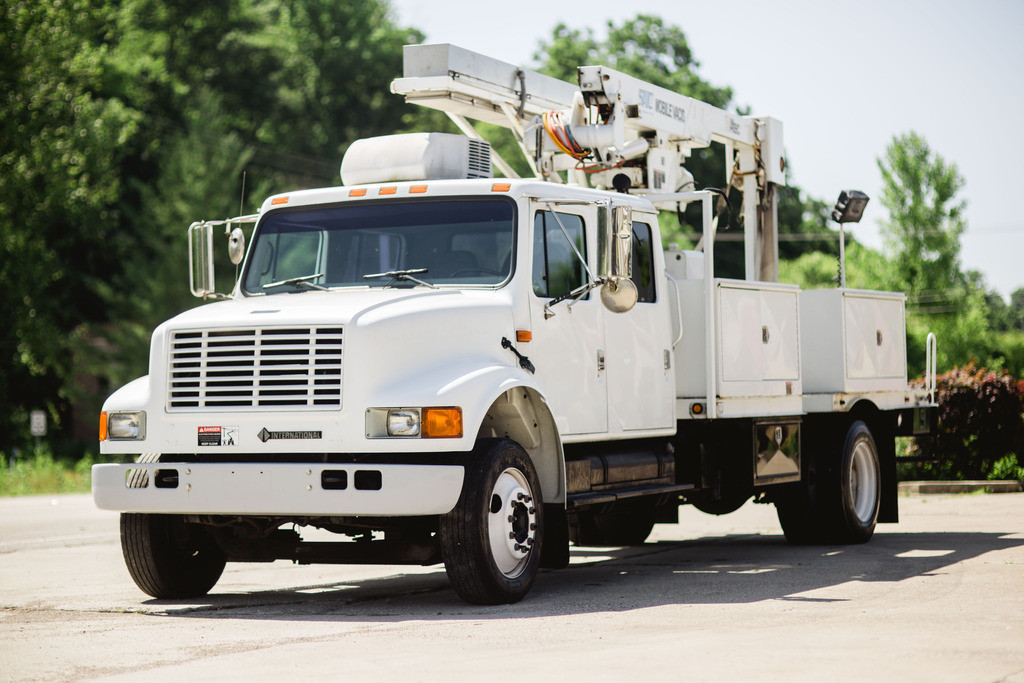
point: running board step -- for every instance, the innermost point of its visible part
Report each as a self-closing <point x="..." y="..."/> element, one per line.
<point x="575" y="500"/>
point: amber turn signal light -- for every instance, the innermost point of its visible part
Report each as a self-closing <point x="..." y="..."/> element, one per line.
<point x="441" y="423"/>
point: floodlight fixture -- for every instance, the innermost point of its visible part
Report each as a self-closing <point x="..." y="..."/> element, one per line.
<point x="850" y="207"/>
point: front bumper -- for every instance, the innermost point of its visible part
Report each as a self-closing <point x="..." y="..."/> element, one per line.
<point x="278" y="489"/>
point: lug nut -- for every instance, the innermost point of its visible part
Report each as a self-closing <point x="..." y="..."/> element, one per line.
<point x="528" y="499"/>
<point x="520" y="495"/>
<point x="511" y="535"/>
<point x="529" y="541"/>
<point x="533" y="527"/>
<point x="532" y="510"/>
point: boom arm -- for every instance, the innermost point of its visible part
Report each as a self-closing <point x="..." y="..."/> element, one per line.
<point x="610" y="125"/>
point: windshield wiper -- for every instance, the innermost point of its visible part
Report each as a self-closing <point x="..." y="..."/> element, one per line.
<point x="296" y="281"/>
<point x="402" y="275"/>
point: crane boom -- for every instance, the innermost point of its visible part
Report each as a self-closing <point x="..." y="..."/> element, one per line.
<point x="622" y="131"/>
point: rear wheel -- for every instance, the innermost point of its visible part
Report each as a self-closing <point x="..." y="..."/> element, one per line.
<point x="860" y="487"/>
<point x="840" y="503"/>
<point x="491" y="540"/>
<point x="168" y="558"/>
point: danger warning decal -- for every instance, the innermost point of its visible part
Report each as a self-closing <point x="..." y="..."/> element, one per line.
<point x="218" y="436"/>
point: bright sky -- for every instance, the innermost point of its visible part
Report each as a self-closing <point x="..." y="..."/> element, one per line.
<point x="843" y="77"/>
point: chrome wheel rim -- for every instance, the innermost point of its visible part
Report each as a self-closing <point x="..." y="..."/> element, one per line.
<point x="512" y="522"/>
<point x="864" y="482"/>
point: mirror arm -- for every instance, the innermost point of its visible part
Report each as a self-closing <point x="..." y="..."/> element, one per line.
<point x="575" y="295"/>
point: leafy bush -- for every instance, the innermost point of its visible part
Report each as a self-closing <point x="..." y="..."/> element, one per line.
<point x="40" y="473"/>
<point x="1007" y="468"/>
<point x="981" y="428"/>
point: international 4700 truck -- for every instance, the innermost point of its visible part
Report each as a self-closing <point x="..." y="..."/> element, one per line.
<point x="440" y="365"/>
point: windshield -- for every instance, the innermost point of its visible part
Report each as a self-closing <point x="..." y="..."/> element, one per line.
<point x="407" y="244"/>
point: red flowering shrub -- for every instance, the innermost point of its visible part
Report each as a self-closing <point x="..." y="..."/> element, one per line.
<point x="981" y="422"/>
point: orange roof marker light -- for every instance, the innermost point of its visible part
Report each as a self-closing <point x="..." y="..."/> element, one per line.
<point x="442" y="423"/>
<point x="417" y="189"/>
<point x="357" y="193"/>
<point x="278" y="200"/>
<point x="524" y="335"/>
<point x="388" y="190"/>
<point x="501" y="187"/>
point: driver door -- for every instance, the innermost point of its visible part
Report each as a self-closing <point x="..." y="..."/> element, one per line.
<point x="568" y="346"/>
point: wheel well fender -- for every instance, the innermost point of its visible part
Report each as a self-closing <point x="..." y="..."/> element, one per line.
<point x="521" y="413"/>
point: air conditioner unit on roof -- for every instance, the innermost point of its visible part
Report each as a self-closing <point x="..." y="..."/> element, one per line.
<point x="415" y="156"/>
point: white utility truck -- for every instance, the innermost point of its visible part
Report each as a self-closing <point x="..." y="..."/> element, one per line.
<point x="438" y="365"/>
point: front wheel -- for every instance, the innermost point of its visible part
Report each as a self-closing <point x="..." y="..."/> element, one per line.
<point x="168" y="558"/>
<point x="491" y="540"/>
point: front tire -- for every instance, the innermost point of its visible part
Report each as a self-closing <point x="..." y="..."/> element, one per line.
<point x="168" y="558"/>
<point x="491" y="540"/>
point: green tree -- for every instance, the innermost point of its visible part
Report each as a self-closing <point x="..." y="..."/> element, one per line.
<point x="923" y="230"/>
<point x="643" y="47"/>
<point x="63" y="140"/>
<point x="120" y="123"/>
<point x="926" y="219"/>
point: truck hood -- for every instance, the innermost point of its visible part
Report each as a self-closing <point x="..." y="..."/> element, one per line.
<point x="390" y="335"/>
<point x="314" y="307"/>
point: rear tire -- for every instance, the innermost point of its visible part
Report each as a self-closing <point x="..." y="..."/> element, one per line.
<point x="491" y="541"/>
<point x="168" y="558"/>
<point x="840" y="501"/>
<point x="860" y="488"/>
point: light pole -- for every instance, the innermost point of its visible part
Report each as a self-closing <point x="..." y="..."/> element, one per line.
<point x="849" y="209"/>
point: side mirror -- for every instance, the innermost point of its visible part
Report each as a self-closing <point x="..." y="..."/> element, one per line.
<point x="200" y="259"/>
<point x="615" y="256"/>
<point x="619" y="295"/>
<point x="236" y="245"/>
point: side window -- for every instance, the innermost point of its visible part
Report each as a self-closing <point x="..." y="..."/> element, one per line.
<point x="556" y="270"/>
<point x="642" y="267"/>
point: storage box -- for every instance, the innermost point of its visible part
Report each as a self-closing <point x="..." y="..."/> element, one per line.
<point x="853" y="341"/>
<point x="757" y="339"/>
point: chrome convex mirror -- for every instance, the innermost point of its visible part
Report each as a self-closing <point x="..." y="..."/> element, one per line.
<point x="619" y="295"/>
<point x="236" y="245"/>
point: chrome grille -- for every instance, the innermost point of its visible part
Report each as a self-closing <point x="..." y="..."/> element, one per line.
<point x="275" y="368"/>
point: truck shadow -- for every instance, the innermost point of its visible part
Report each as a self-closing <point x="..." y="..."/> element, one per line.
<point x="721" y="569"/>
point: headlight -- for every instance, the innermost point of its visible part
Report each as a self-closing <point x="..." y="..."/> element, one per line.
<point x="425" y="423"/>
<point x="403" y="422"/>
<point x="126" y="426"/>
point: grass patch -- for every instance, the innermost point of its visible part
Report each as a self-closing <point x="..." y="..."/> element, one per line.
<point x="40" y="474"/>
